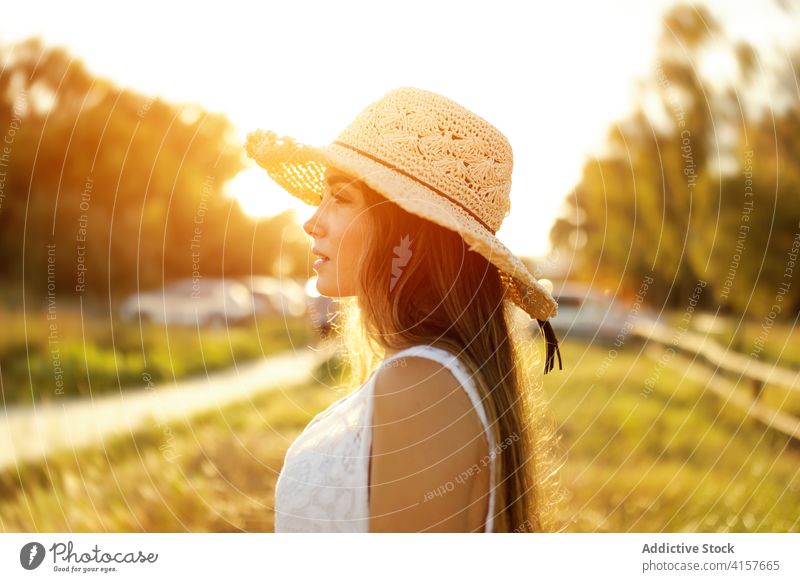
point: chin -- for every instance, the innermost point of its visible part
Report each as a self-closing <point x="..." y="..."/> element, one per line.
<point x="326" y="285"/>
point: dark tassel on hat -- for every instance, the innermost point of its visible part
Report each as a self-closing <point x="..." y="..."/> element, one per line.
<point x="552" y="346"/>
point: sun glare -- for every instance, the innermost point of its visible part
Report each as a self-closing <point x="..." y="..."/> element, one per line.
<point x="260" y="197"/>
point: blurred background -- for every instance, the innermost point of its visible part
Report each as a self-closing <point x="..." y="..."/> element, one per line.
<point x="161" y="339"/>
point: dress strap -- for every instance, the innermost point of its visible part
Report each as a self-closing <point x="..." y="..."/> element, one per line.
<point x="464" y="377"/>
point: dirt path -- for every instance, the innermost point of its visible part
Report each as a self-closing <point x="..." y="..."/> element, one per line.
<point x="31" y="433"/>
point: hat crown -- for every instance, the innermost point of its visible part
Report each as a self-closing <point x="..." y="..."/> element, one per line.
<point x="441" y="144"/>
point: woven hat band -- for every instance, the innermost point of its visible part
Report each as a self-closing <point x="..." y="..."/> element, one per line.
<point x="421" y="182"/>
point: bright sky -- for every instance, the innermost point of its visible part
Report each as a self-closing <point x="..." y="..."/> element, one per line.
<point x="550" y="78"/>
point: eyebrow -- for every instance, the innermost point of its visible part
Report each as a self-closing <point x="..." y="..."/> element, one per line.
<point x="348" y="182"/>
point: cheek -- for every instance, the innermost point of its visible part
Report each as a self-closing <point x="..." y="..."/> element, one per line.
<point x="351" y="243"/>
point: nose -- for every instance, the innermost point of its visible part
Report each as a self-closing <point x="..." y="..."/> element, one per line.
<point x="313" y="226"/>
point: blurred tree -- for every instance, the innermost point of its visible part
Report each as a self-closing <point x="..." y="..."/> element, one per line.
<point x="128" y="186"/>
<point x="667" y="198"/>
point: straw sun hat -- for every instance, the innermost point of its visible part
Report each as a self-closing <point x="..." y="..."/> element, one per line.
<point x="433" y="158"/>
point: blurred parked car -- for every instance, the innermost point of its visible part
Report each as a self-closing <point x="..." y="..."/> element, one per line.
<point x="271" y="296"/>
<point x="586" y="314"/>
<point x="205" y="301"/>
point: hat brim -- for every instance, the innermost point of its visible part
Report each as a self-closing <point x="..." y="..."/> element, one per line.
<point x="300" y="170"/>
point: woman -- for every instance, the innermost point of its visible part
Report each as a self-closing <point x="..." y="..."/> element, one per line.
<point x="447" y="433"/>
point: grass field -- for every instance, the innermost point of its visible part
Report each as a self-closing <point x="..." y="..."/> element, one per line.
<point x="674" y="460"/>
<point x="75" y="354"/>
<point x="216" y="475"/>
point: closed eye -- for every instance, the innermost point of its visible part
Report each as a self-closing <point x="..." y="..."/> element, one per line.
<point x="336" y="186"/>
<point x="337" y="196"/>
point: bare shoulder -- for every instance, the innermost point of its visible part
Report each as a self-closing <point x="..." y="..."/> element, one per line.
<point x="426" y="434"/>
<point x="412" y="388"/>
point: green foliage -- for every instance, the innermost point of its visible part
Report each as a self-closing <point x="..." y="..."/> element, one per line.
<point x="689" y="171"/>
<point x="126" y="186"/>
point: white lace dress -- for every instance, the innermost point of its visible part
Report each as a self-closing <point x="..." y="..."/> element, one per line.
<point x="323" y="485"/>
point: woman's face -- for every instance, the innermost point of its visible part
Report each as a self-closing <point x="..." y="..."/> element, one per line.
<point x="338" y="227"/>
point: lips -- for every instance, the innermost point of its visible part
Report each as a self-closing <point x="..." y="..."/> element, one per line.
<point x="319" y="254"/>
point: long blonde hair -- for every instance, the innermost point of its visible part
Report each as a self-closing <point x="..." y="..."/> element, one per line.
<point x="418" y="283"/>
